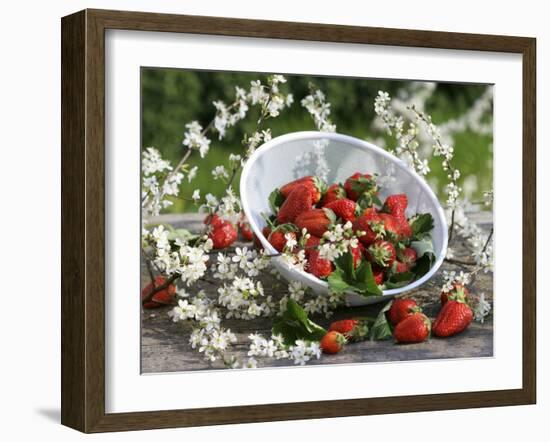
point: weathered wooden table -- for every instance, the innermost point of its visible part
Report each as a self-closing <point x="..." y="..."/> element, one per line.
<point x="165" y="346"/>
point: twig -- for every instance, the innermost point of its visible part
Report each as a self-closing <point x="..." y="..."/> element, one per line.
<point x="488" y="239"/>
<point x="460" y="262"/>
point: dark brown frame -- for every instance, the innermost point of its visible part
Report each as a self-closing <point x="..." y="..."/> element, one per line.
<point x="83" y="216"/>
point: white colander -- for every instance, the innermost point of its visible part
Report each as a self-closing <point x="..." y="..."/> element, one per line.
<point x="334" y="157"/>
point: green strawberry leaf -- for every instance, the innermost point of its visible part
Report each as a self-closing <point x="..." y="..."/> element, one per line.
<point x="423" y="246"/>
<point x="275" y="199"/>
<point x="295" y="324"/>
<point x="397" y="280"/>
<point x="424" y="264"/>
<point x="330" y="215"/>
<point x="421" y="223"/>
<point x="345" y="263"/>
<point x="381" y="329"/>
<point x="320" y="184"/>
<point x="346" y="278"/>
<point x="367" y="200"/>
<point x="366" y="277"/>
<point x="337" y="283"/>
<point x="426" y="256"/>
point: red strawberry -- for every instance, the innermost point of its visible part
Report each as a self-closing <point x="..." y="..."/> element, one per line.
<point x="382" y="253"/>
<point x="162" y="297"/>
<point x="404" y="227"/>
<point x="401" y="267"/>
<point x="408" y="256"/>
<point x="378" y="276"/>
<point x="312" y="243"/>
<point x="454" y="317"/>
<point x="297" y="202"/>
<point x="370" y="223"/>
<point x="318" y="266"/>
<point x="414" y="328"/>
<point x="358" y="183"/>
<point x="458" y="291"/>
<point x="396" y="204"/>
<point x="343" y="208"/>
<point x="391" y="226"/>
<point x="316" y="221"/>
<point x="352" y="329"/>
<point x="333" y="193"/>
<point x="213" y="220"/>
<point x="357" y="254"/>
<point x="244" y="229"/>
<point x="332" y="342"/>
<point x="277" y="238"/>
<point x="313" y="184"/>
<point x="223" y="235"/>
<point x="402" y="308"/>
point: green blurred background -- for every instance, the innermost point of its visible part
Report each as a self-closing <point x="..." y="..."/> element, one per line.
<point x="173" y="97"/>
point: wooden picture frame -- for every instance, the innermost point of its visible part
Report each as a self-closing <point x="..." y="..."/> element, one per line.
<point x="83" y="220"/>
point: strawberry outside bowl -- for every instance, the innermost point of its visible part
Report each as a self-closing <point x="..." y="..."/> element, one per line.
<point x="334" y="157"/>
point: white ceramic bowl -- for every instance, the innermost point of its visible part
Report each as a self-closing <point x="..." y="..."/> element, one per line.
<point x="291" y="156"/>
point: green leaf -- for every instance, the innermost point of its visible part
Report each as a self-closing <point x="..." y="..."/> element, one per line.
<point x="346" y="278"/>
<point x="422" y="223"/>
<point x="426" y="256"/>
<point x="398" y="280"/>
<point x="275" y="199"/>
<point x="183" y="234"/>
<point x="345" y="263"/>
<point x="424" y="264"/>
<point x="367" y="200"/>
<point x="381" y="329"/>
<point x="423" y="247"/>
<point x="365" y="276"/>
<point x="337" y="283"/>
<point x="295" y="324"/>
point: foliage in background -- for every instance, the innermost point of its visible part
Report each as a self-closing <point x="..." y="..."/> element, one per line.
<point x="171" y="97"/>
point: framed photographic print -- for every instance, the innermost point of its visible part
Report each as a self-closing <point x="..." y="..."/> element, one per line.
<point x="267" y="220"/>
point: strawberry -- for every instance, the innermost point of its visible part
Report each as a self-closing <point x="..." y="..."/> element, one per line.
<point x="402" y="308"/>
<point x="370" y="223"/>
<point x="358" y="184"/>
<point x="313" y="184"/>
<point x="400" y="267"/>
<point x="244" y="228"/>
<point x="297" y="202"/>
<point x="213" y="220"/>
<point x="391" y="226"/>
<point x="357" y="254"/>
<point x="414" y="328"/>
<point x="343" y="208"/>
<point x="318" y="266"/>
<point x="277" y="237"/>
<point x="316" y="221"/>
<point x="382" y="253"/>
<point x="405" y="231"/>
<point x="407" y="255"/>
<point x="378" y="276"/>
<point x="332" y="342"/>
<point x="333" y="193"/>
<point x="352" y="329"/>
<point x="396" y="204"/>
<point x="312" y="243"/>
<point x="458" y="290"/>
<point x="454" y="317"/>
<point x="162" y="297"/>
<point x="223" y="234"/>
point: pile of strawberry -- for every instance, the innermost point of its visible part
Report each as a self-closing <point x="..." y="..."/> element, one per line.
<point x="386" y="232"/>
<point x="409" y="323"/>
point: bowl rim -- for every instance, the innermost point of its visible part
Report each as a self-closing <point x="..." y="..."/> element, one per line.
<point x="364" y="145"/>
